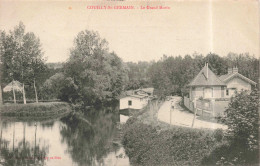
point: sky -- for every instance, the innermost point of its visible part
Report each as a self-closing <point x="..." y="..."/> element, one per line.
<point x="200" y="26"/>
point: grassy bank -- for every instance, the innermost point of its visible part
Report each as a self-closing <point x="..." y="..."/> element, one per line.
<point x="149" y="142"/>
<point x="36" y="110"/>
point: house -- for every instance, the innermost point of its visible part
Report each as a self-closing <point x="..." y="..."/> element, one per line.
<point x="136" y="99"/>
<point x="236" y="82"/>
<point x="207" y="85"/>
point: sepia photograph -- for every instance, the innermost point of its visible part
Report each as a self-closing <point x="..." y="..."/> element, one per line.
<point x="129" y="83"/>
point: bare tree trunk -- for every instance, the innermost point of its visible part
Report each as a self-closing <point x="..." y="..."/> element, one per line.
<point x="13" y="92"/>
<point x="1" y="135"/>
<point x="1" y="97"/>
<point x="35" y="90"/>
<point x="24" y="99"/>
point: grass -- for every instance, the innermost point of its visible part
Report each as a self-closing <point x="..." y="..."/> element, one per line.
<point x="35" y="110"/>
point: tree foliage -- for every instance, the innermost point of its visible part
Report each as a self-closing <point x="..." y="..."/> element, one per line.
<point x="98" y="74"/>
<point x="137" y="75"/>
<point x="22" y="56"/>
<point x="171" y="75"/>
<point x="241" y="146"/>
<point x="241" y="117"/>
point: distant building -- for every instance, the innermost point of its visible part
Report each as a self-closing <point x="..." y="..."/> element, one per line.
<point x="207" y="85"/>
<point x="136" y="99"/>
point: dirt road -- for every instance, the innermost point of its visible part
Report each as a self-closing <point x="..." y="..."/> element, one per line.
<point x="181" y="117"/>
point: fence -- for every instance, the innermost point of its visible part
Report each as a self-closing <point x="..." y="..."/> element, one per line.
<point x="207" y="108"/>
<point x="189" y="104"/>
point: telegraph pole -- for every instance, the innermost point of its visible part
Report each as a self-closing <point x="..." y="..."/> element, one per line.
<point x="171" y="109"/>
<point x="195" y="112"/>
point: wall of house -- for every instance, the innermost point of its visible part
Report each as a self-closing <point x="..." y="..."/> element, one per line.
<point x="137" y="103"/>
<point x="236" y="84"/>
<point x="217" y="92"/>
<point x="196" y="92"/>
<point x="239" y="84"/>
<point x="206" y="92"/>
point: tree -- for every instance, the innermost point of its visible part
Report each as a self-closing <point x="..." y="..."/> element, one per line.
<point x="241" y="117"/>
<point x="21" y="57"/>
<point x="1" y="49"/>
<point x="97" y="73"/>
<point x="7" y="57"/>
<point x="1" y="97"/>
<point x="36" y="66"/>
<point x="216" y="63"/>
<point x="59" y="87"/>
<point x="248" y="65"/>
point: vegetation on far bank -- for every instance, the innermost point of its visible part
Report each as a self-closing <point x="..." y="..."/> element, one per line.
<point x="149" y="142"/>
<point x="94" y="75"/>
<point x="35" y="110"/>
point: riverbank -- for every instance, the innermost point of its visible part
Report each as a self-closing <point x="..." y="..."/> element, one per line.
<point x="35" y="110"/>
<point x="148" y="141"/>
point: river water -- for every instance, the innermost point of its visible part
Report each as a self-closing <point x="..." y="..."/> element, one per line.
<point x="90" y="139"/>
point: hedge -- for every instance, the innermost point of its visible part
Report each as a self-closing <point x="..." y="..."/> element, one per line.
<point x="151" y="145"/>
<point x="35" y="110"/>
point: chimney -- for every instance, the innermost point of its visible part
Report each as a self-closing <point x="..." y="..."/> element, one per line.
<point x="235" y="70"/>
<point x="229" y="70"/>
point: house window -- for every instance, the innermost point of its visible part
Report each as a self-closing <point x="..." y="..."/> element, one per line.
<point x="129" y="102"/>
<point x="227" y="92"/>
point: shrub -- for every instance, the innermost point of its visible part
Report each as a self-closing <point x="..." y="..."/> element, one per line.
<point x="35" y="109"/>
<point x="241" y="117"/>
<point x="241" y="147"/>
<point x="149" y="145"/>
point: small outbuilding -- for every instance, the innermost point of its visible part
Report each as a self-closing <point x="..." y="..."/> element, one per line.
<point x="133" y="102"/>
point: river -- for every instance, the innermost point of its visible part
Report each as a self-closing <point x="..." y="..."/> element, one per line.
<point x="90" y="139"/>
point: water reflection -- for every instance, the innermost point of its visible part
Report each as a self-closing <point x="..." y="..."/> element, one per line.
<point x="22" y="152"/>
<point x="90" y="144"/>
<point x="90" y="139"/>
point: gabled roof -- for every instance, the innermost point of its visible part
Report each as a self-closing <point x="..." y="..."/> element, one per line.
<point x="225" y="78"/>
<point x="145" y="90"/>
<point x="135" y="96"/>
<point x="14" y="84"/>
<point x="202" y="80"/>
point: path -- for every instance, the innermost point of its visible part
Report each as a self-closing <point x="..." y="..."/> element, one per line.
<point x="180" y="117"/>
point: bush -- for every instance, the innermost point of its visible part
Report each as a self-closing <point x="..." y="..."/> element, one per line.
<point x="241" y="147"/>
<point x="241" y="117"/>
<point x="231" y="154"/>
<point x="150" y="145"/>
